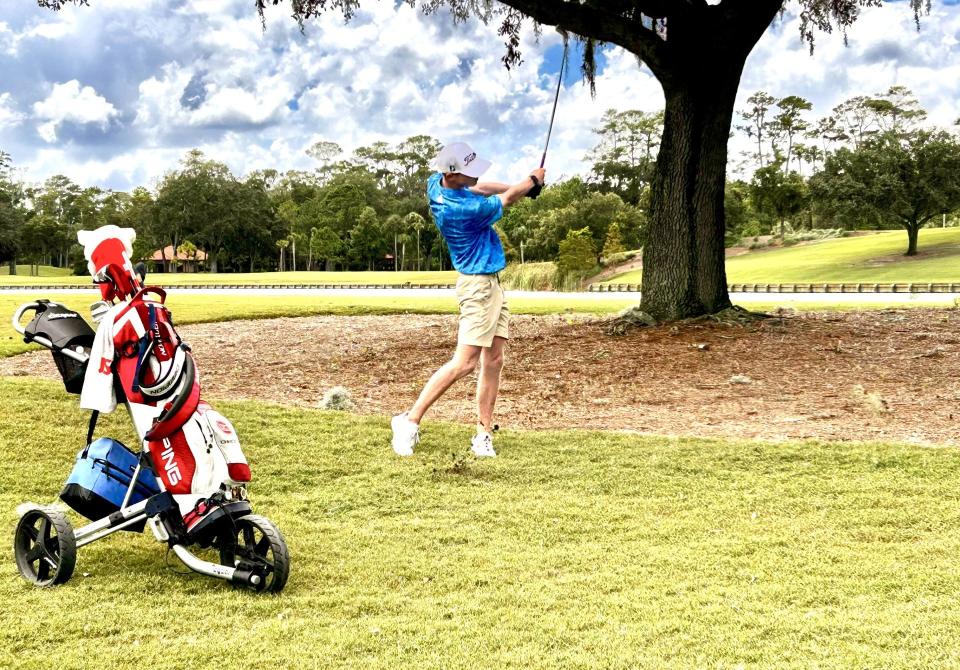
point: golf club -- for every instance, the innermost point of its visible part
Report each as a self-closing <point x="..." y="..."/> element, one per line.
<point x="535" y="191"/>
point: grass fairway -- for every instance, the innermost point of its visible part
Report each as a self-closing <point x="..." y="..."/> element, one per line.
<point x="868" y="258"/>
<point x="63" y="277"/>
<point x="571" y="550"/>
<point x="23" y="272"/>
<point x="200" y="308"/>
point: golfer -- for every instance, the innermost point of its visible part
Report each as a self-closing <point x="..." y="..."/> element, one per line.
<point x="465" y="211"/>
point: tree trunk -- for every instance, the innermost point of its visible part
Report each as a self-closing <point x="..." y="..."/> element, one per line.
<point x="173" y="254"/>
<point x="294" y="257"/>
<point x="913" y="232"/>
<point x="683" y="260"/>
<point x="395" y="268"/>
<point x="13" y="267"/>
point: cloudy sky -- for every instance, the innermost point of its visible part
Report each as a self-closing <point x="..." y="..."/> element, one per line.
<point x="114" y="94"/>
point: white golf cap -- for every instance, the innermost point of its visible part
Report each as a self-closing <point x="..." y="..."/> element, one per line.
<point x="459" y="157"/>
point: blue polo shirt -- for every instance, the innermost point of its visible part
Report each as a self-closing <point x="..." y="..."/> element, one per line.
<point x="466" y="222"/>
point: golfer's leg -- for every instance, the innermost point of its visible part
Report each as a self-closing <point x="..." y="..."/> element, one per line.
<point x="463" y="362"/>
<point x="488" y="381"/>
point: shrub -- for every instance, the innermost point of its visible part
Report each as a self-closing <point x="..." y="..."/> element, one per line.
<point x="577" y="258"/>
<point x="529" y="276"/>
<point x="614" y="242"/>
<point x="337" y="398"/>
<point x="622" y="257"/>
<point x="540" y="277"/>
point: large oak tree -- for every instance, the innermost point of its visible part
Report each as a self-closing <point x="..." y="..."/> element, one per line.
<point x="697" y="50"/>
<point x="896" y="178"/>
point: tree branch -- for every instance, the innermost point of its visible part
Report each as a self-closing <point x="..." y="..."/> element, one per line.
<point x="592" y="20"/>
<point x="751" y="17"/>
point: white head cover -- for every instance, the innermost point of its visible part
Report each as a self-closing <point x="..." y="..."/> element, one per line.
<point x="92" y="239"/>
<point x="460" y="157"/>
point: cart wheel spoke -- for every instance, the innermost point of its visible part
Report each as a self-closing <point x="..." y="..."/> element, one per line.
<point x="36" y="552"/>
<point x="43" y="571"/>
<point x="31" y="532"/>
<point x="263" y="547"/>
<point x="248" y="536"/>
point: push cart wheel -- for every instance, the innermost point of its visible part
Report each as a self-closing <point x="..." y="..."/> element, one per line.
<point x="44" y="547"/>
<point x="256" y="544"/>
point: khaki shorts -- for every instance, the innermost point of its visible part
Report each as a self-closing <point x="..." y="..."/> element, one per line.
<point x="483" y="310"/>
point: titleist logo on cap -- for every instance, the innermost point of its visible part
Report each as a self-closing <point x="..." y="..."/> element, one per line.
<point x="469" y="158"/>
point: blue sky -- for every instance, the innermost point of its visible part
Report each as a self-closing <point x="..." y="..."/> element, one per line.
<point x="114" y="94"/>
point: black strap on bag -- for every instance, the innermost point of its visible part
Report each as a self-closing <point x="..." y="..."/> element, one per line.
<point x="92" y="427"/>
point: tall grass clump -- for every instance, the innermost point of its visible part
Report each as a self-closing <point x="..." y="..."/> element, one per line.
<point x="540" y="277"/>
<point x="529" y="276"/>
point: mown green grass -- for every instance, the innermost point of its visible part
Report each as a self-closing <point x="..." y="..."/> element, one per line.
<point x="570" y="550"/>
<point x="24" y="272"/>
<point x="258" y="278"/>
<point x="199" y="308"/>
<point x="869" y="258"/>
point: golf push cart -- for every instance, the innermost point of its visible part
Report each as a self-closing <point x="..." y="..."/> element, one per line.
<point x="187" y="482"/>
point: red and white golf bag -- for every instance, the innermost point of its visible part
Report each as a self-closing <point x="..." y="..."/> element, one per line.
<point x="138" y="356"/>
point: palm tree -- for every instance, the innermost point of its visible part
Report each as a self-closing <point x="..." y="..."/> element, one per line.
<point x="415" y="222"/>
<point x="294" y="238"/>
<point x="282" y="244"/>
<point x="313" y="231"/>
<point x="394" y="225"/>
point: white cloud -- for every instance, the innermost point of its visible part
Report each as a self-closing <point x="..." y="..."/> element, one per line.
<point x="141" y="167"/>
<point x="8" y="39"/>
<point x="71" y="103"/>
<point x="9" y="116"/>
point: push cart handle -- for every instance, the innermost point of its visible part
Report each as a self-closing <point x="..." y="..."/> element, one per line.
<point x="18" y="315"/>
<point x="40" y="339"/>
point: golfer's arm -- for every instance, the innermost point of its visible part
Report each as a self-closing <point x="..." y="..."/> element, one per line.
<point x="516" y="192"/>
<point x="489" y="188"/>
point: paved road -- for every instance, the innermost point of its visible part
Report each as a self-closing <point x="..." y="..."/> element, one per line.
<point x="785" y="299"/>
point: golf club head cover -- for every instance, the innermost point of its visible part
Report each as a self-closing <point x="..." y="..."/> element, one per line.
<point x="201" y="455"/>
<point x="181" y="407"/>
<point x="227" y="441"/>
<point x="108" y="250"/>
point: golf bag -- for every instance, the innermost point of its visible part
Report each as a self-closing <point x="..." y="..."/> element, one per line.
<point x="139" y="354"/>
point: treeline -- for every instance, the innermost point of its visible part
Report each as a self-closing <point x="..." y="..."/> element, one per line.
<point x="347" y="213"/>
<point x="363" y="212"/>
<point x="869" y="164"/>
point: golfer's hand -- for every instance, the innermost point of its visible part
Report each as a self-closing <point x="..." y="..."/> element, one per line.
<point x="534" y="191"/>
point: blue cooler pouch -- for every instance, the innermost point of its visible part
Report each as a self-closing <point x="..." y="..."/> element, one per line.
<point x="100" y="479"/>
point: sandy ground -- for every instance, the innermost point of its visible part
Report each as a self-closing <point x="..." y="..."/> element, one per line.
<point x="887" y="375"/>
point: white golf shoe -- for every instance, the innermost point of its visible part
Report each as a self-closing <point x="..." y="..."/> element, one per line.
<point x="482" y="445"/>
<point x="406" y="434"/>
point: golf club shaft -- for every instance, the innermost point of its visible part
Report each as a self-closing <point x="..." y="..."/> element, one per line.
<point x="556" y="99"/>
